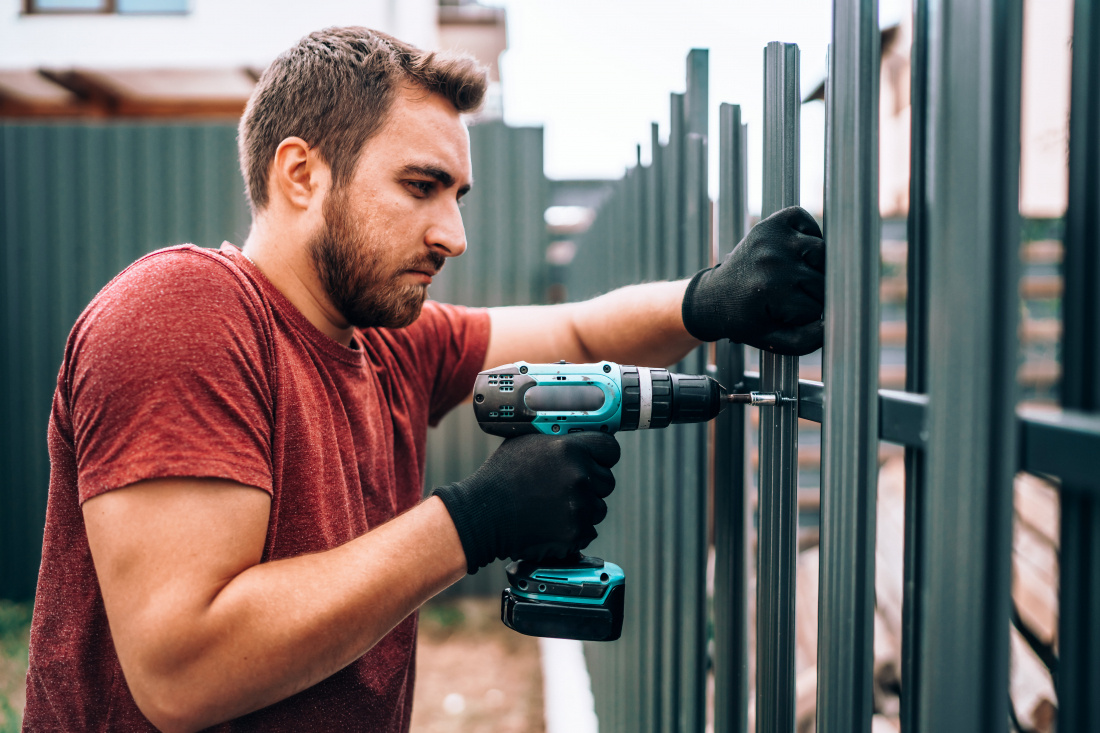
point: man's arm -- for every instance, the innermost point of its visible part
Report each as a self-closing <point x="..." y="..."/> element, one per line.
<point x="206" y="633"/>
<point x="638" y="324"/>
<point x="769" y="292"/>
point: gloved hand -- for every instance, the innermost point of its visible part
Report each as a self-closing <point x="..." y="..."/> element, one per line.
<point x="536" y="497"/>
<point x="769" y="292"/>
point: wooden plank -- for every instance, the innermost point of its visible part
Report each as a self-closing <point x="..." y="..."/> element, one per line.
<point x="1030" y="687"/>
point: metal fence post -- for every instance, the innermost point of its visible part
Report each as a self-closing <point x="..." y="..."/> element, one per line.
<point x="654" y="671"/>
<point x="778" y="505"/>
<point x="916" y="367"/>
<point x="692" y="489"/>
<point x="845" y="637"/>
<point x="1078" y="677"/>
<point x="971" y="192"/>
<point x="732" y="510"/>
<point x="672" y="158"/>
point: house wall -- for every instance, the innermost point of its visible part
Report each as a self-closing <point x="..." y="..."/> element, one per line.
<point x="214" y="33"/>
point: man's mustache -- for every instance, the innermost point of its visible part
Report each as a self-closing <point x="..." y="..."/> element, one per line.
<point x="432" y="263"/>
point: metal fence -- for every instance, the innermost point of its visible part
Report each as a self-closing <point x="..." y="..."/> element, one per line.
<point x="82" y="201"/>
<point x="657" y="226"/>
<point x="958" y="418"/>
<point x="503" y="265"/>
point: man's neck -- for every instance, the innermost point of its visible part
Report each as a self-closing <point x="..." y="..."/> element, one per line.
<point x="285" y="262"/>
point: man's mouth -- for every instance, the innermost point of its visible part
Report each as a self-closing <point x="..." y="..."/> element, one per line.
<point x="426" y="270"/>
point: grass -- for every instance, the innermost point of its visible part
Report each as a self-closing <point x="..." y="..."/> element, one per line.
<point x="15" y="626"/>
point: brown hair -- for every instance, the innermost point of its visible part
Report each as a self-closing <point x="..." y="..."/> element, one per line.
<point x="334" y="90"/>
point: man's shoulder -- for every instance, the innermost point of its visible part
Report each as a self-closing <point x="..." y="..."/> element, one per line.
<point x="177" y="293"/>
<point x="180" y="277"/>
<point x="182" y="262"/>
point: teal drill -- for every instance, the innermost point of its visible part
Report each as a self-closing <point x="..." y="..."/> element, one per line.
<point x="582" y="597"/>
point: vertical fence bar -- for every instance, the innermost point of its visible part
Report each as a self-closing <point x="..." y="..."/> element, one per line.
<point x="671" y="621"/>
<point x="846" y="610"/>
<point x="778" y="505"/>
<point x="972" y="193"/>
<point x="732" y="512"/>
<point x="1078" y="677"/>
<point x="916" y="366"/>
<point x="692" y="488"/>
<point x="654" y="673"/>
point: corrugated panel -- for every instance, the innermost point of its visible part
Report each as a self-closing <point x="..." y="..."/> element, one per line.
<point x="503" y="265"/>
<point x="80" y="202"/>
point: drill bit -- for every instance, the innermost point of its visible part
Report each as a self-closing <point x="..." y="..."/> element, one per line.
<point x="753" y="398"/>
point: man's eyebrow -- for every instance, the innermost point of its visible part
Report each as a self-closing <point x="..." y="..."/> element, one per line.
<point x="438" y="174"/>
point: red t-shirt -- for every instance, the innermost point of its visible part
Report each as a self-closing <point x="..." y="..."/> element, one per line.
<point x="190" y="363"/>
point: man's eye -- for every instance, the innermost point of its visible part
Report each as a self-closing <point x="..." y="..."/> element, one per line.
<point x="422" y="188"/>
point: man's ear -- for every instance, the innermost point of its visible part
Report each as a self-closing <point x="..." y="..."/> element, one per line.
<point x="298" y="175"/>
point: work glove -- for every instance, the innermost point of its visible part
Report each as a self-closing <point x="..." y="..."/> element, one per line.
<point x="536" y="497"/>
<point x="769" y="292"/>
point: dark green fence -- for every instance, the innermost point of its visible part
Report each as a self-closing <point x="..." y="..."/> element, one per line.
<point x="82" y="201"/>
<point x="503" y="265"/>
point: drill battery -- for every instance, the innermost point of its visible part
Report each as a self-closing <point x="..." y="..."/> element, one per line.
<point x="580" y="598"/>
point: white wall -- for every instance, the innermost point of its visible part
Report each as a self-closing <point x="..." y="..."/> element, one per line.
<point x="1044" y="117"/>
<point x="215" y="33"/>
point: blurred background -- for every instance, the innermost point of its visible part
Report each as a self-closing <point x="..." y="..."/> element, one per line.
<point x="117" y="137"/>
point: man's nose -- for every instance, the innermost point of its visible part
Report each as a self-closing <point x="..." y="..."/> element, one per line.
<point x="447" y="235"/>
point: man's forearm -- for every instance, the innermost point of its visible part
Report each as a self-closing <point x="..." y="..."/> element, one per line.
<point x="276" y="628"/>
<point x="638" y="324"/>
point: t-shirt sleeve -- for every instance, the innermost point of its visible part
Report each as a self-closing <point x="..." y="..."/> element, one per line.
<point x="454" y="340"/>
<point x="167" y="376"/>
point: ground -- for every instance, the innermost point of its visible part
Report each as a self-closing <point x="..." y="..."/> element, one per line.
<point x="474" y="675"/>
<point x="15" y="622"/>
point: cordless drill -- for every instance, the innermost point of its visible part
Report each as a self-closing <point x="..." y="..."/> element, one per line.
<point x="582" y="597"/>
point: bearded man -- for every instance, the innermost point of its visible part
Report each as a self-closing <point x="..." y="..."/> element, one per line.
<point x="235" y="533"/>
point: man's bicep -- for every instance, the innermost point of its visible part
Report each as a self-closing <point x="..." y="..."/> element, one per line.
<point x="164" y="548"/>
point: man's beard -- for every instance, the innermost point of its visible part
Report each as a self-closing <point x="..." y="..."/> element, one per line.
<point x="350" y="265"/>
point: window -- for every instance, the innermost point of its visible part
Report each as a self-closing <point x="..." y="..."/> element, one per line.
<point x="121" y="7"/>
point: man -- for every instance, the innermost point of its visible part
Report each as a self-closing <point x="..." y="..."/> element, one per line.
<point x="235" y="533"/>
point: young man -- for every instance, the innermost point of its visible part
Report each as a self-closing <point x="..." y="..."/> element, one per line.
<point x="235" y="532"/>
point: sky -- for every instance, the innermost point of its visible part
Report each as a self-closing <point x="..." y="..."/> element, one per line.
<point x="596" y="73"/>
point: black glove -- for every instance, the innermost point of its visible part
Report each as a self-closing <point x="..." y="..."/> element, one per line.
<point x="536" y="497"/>
<point x="769" y="292"/>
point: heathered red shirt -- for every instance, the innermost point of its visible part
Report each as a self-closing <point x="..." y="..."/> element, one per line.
<point x="190" y="363"/>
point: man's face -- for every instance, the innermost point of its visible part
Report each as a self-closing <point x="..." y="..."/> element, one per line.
<point x="389" y="230"/>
